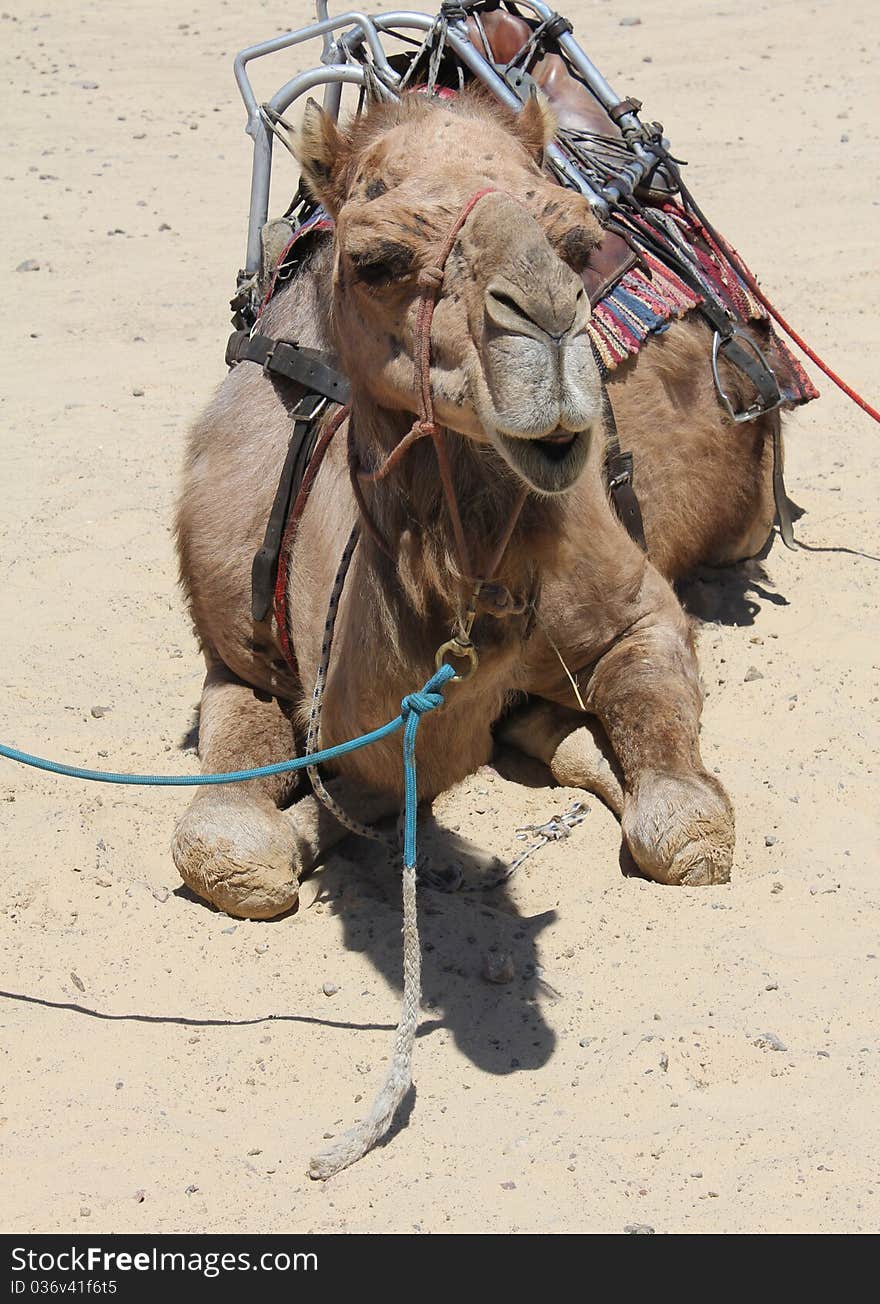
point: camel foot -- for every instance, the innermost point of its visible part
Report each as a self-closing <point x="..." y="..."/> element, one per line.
<point x="680" y="830"/>
<point x="238" y="855"/>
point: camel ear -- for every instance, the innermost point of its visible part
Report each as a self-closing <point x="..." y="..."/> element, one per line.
<point x="536" y="125"/>
<point x="322" y="152"/>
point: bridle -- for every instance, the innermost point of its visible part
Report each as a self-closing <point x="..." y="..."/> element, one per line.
<point x="430" y="280"/>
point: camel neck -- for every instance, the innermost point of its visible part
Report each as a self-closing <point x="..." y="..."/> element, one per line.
<point x="410" y="523"/>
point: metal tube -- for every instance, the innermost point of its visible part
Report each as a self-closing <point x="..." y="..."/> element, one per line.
<point x="458" y="38"/>
<point x="322" y="10"/>
<point x="261" y="175"/>
<point x="351" y="19"/>
<point x="607" y="97"/>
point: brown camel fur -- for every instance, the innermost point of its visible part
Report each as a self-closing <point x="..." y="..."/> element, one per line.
<point x="517" y="390"/>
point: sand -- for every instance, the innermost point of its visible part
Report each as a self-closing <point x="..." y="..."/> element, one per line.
<point x="694" y="1061"/>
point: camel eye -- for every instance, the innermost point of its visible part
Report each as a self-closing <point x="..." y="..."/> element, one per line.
<point x="382" y="263"/>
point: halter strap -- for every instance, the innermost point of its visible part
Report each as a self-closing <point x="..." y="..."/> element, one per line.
<point x="430" y="281"/>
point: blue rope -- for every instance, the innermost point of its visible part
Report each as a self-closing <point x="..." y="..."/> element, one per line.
<point x="412" y="708"/>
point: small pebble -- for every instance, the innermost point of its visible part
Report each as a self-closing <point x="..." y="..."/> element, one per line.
<point x="85" y="1211"/>
<point x="77" y="981"/>
<point x="498" y="968"/>
<point x="160" y="893"/>
<point x="508" y="1186"/>
<point x="664" y="1062"/>
<point x="29" y="265"/>
<point x="191" y="1189"/>
<point x="329" y="989"/>
<point x="261" y="948"/>
<point x="631" y="22"/>
<point x="87" y="85"/>
<point x="137" y="393"/>
<point x="751" y="674"/>
<point x="772" y="987"/>
<point x="769" y="840"/>
<point x="99" y="711"/>
<point x="140" y="1196"/>
<point x="639" y="1229"/>
<point x="698" y="1173"/>
<point x="228" y="931"/>
<point x="770" y="1041"/>
<point x="256" y="1151"/>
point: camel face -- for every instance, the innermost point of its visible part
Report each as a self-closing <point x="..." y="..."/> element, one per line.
<point x="511" y="362"/>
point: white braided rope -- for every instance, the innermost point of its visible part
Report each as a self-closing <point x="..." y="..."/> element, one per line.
<point x="361" y="1138"/>
<point x="313" y="734"/>
<point x="355" y="1143"/>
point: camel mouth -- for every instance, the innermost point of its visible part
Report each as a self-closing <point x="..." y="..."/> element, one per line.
<point x="550" y="464"/>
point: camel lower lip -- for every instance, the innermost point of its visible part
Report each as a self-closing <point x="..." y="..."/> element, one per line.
<point x="564" y="437"/>
<point x="552" y="463"/>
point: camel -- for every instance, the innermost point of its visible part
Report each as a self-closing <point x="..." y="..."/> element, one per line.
<point x="516" y="388"/>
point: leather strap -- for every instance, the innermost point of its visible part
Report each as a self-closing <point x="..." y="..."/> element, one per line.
<point x="299" y="451"/>
<point x="307" y="367"/>
<point x="780" y="497"/>
<point x="758" y="373"/>
<point x="745" y="359"/>
<point x="619" y="477"/>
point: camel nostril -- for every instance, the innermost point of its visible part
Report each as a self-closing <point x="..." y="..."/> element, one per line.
<point x="507" y="301"/>
<point x="524" y="312"/>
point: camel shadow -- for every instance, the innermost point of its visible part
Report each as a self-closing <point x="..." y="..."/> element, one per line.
<point x="729" y="595"/>
<point x="465" y="936"/>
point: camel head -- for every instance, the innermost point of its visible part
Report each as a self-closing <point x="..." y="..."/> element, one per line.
<point x="511" y="362"/>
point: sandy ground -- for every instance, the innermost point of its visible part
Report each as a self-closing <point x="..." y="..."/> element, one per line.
<point x="168" y="1069"/>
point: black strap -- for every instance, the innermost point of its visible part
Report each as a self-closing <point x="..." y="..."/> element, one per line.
<point x="780" y="497"/>
<point x="307" y="367"/>
<point x="619" y="476"/>
<point x="302" y="444"/>
<point x="749" y="361"/>
<point x="745" y="359"/>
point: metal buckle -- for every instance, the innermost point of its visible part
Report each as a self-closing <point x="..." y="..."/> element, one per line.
<point x="757" y="408"/>
<point x="310" y="406"/>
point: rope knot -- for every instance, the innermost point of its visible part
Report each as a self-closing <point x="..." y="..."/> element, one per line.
<point x="428" y="698"/>
<point x="425" y="429"/>
<point x="430" y="278"/>
<point x="420" y="703"/>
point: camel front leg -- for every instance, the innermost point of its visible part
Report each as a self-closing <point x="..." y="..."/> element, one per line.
<point x="236" y="846"/>
<point x="571" y="744"/>
<point x="677" y="819"/>
<point x="642" y="755"/>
